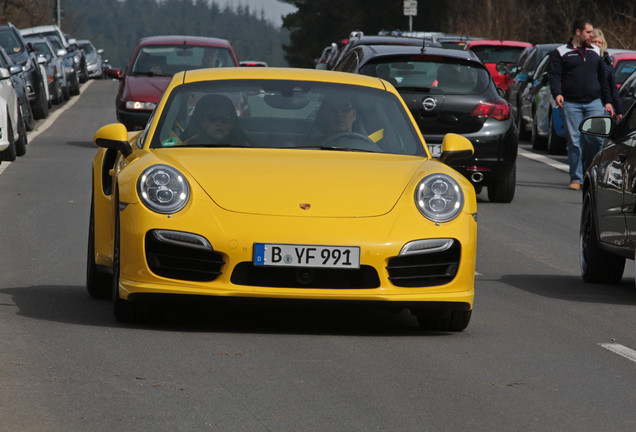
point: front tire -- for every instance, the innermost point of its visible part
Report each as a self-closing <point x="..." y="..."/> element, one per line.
<point x="9" y="154"/>
<point x="597" y="265"/>
<point x="21" y="143"/>
<point x="98" y="283"/>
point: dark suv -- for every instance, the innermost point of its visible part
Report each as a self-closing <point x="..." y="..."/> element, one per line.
<point x="450" y="91"/>
<point x="21" y="54"/>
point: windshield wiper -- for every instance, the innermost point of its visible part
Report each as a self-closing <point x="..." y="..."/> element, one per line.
<point x="335" y="148"/>
<point x="151" y="74"/>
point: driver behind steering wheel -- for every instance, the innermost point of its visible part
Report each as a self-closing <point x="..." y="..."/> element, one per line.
<point x="336" y="115"/>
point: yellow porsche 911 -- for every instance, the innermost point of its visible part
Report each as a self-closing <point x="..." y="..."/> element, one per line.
<point x="282" y="183"/>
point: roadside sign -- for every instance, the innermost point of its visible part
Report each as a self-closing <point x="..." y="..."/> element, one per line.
<point x="410" y="7"/>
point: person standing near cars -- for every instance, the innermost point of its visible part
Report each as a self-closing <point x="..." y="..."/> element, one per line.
<point x="580" y="89"/>
<point x="599" y="40"/>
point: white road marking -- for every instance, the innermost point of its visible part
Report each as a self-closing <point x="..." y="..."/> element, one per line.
<point x="621" y="350"/>
<point x="48" y="122"/>
<point x="544" y="159"/>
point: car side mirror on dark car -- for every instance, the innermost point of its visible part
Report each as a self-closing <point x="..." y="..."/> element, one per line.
<point x="597" y="125"/>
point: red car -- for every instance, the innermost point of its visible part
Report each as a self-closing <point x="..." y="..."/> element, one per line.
<point x="151" y="66"/>
<point x="497" y="55"/>
<point x="624" y="64"/>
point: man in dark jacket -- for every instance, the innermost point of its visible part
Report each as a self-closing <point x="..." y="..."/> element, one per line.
<point x="579" y="88"/>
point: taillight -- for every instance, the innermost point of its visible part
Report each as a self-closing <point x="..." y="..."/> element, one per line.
<point x="497" y="109"/>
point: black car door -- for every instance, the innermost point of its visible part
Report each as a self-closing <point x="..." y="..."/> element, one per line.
<point x="628" y="130"/>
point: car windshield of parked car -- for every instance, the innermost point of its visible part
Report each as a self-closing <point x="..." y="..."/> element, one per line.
<point x="43" y="48"/>
<point x="286" y="114"/>
<point x="624" y="69"/>
<point x="432" y="74"/>
<point x="167" y="60"/>
<point x="10" y="42"/>
<point x="498" y="53"/>
<point x="87" y="48"/>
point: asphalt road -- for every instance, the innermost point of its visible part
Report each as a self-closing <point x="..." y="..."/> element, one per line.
<point x="533" y="357"/>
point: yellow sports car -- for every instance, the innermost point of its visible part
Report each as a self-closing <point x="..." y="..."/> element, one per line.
<point x="282" y="183"/>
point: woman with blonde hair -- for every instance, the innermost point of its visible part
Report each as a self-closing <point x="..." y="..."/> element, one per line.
<point x="598" y="39"/>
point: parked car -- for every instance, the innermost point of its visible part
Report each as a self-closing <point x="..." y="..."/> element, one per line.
<point x="153" y="63"/>
<point x="627" y="92"/>
<point x="94" y="59"/>
<point x="624" y="64"/>
<point x="20" y="87"/>
<point x="522" y="73"/>
<point x="321" y="62"/>
<point x="68" y="43"/>
<point x="450" y="91"/>
<point x="609" y="197"/>
<point x="54" y="66"/>
<point x="253" y="63"/>
<point x="37" y="89"/>
<point x="498" y="55"/>
<point x="538" y="109"/>
<point x="71" y="61"/>
<point x="13" y="136"/>
<point x="365" y="216"/>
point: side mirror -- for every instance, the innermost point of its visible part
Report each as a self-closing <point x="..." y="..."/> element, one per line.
<point x="15" y="69"/>
<point x="4" y="74"/>
<point x="114" y="137"/>
<point x="100" y="51"/>
<point x="41" y="59"/>
<point x="61" y="52"/>
<point x="502" y="68"/>
<point x="455" y="147"/>
<point x="114" y="73"/>
<point x="597" y="125"/>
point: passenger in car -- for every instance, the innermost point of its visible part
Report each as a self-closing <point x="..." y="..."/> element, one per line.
<point x="336" y="115"/>
<point x="214" y="122"/>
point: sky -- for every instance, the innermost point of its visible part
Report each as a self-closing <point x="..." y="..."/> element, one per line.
<point x="274" y="9"/>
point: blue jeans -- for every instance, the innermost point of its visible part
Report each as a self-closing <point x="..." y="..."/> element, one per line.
<point x="581" y="148"/>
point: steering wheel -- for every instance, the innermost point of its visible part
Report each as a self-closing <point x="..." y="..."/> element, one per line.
<point x="350" y="137"/>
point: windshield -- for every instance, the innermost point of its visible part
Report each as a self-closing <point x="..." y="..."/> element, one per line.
<point x="43" y="48"/>
<point x="430" y="73"/>
<point x="624" y="68"/>
<point x="170" y="59"/>
<point x="10" y="42"/>
<point x="286" y="114"/>
<point x="87" y="48"/>
<point x="497" y="53"/>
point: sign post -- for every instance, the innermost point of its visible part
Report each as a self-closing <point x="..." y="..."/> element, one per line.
<point x="410" y="10"/>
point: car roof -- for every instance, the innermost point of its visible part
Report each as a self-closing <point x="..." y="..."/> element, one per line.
<point x="183" y="40"/>
<point x="497" y="42"/>
<point x="389" y="50"/>
<point x="277" y="73"/>
<point x="624" y="55"/>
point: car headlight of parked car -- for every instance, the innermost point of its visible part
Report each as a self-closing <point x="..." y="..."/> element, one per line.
<point x="439" y="197"/>
<point x="163" y="189"/>
<point x="138" y="105"/>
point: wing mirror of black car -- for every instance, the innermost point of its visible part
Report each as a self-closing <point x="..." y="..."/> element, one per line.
<point x="15" y="69"/>
<point x="455" y="147"/>
<point x="597" y="125"/>
<point x="114" y="137"/>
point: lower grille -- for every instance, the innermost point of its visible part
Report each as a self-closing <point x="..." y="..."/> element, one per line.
<point x="420" y="270"/>
<point x="182" y="261"/>
<point x="246" y="273"/>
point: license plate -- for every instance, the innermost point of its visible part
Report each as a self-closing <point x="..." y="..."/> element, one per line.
<point x="435" y="149"/>
<point x="295" y="255"/>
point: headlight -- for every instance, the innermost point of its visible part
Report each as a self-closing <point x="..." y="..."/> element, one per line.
<point x="163" y="189"/>
<point x="439" y="197"/>
<point x="138" y="105"/>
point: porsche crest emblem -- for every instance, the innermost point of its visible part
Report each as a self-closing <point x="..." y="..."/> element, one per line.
<point x="305" y="206"/>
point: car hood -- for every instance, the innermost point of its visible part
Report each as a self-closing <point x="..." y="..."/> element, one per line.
<point x="145" y="88"/>
<point x="300" y="182"/>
